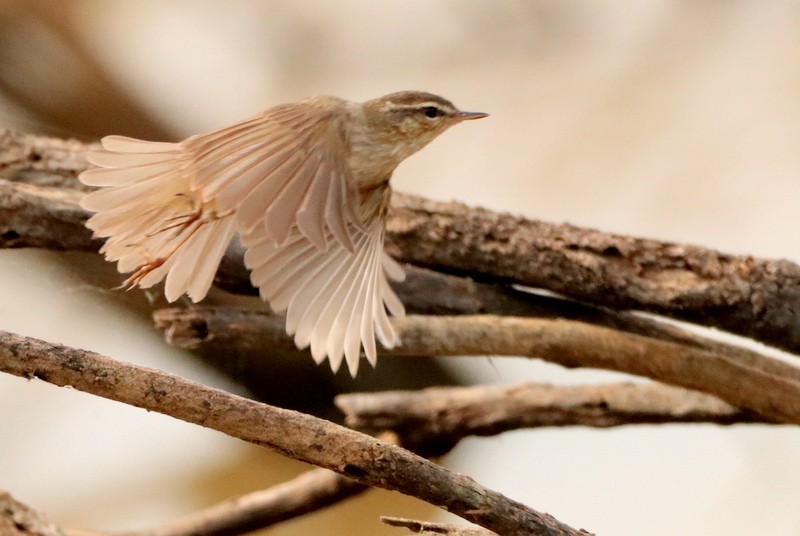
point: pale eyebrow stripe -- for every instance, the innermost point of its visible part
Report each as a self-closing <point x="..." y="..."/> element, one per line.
<point x="433" y="104"/>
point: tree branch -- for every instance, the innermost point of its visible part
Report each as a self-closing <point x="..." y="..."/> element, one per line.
<point x="425" y="528"/>
<point x="756" y="298"/>
<point x="17" y="519"/>
<point x="299" y="436"/>
<point x="309" y="492"/>
<point x="449" y="414"/>
<point x="753" y="297"/>
<point x="744" y="379"/>
<point x="37" y="214"/>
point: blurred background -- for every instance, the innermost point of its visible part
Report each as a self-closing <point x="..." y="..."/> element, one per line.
<point x="678" y="120"/>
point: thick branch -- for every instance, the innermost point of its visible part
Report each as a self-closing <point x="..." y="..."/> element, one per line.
<point x="452" y="413"/>
<point x="753" y="297"/>
<point x="35" y="215"/>
<point x="43" y="217"/>
<point x="299" y="436"/>
<point x="41" y="160"/>
<point x="743" y="379"/>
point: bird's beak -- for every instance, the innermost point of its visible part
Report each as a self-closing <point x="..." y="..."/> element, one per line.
<point x="466" y="116"/>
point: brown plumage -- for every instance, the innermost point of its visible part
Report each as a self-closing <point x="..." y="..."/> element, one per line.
<point x="306" y="185"/>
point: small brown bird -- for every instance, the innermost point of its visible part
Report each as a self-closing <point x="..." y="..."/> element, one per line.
<point x="306" y="186"/>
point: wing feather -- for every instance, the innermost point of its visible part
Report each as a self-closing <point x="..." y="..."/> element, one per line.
<point x="281" y="215"/>
<point x="122" y="177"/>
<point x="123" y="144"/>
<point x="285" y="166"/>
<point x="281" y="179"/>
<point x="179" y="276"/>
<point x="311" y="216"/>
<point x="112" y="160"/>
<point x="335" y="300"/>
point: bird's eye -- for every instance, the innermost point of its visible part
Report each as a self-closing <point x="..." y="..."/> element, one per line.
<point x="431" y="111"/>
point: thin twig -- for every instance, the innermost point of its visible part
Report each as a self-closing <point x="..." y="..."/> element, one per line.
<point x="425" y="528"/>
<point x="744" y="379"/>
<point x="449" y="414"/>
<point x="309" y="492"/>
<point x="302" y="437"/>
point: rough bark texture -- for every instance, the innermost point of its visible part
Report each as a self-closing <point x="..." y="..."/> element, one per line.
<point x="305" y="438"/>
<point x="17" y="519"/>
<point x="744" y="379"/>
<point x="449" y="414"/>
<point x="753" y="297"/>
<point x="42" y="160"/>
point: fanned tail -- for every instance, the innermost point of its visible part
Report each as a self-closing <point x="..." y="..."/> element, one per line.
<point x="155" y="225"/>
<point x="336" y="300"/>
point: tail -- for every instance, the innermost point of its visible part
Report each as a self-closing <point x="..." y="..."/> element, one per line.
<point x="155" y="225"/>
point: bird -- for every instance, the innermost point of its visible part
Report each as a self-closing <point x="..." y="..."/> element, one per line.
<point x="305" y="185"/>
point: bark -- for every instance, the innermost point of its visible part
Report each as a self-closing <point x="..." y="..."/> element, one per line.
<point x="449" y="414"/>
<point x="302" y="437"/>
<point x="744" y="379"/>
<point x="18" y="519"/>
<point x="425" y="528"/>
<point x="757" y="298"/>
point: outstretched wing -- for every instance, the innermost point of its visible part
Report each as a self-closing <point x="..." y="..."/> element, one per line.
<point x="335" y="300"/>
<point x="284" y="167"/>
<point x="170" y="209"/>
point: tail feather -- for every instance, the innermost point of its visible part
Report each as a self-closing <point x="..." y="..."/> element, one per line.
<point x="155" y="224"/>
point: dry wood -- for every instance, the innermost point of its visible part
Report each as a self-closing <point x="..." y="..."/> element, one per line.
<point x="753" y="297"/>
<point x="357" y="456"/>
<point x="39" y="213"/>
<point x="756" y="298"/>
<point x="18" y="519"/>
<point x="425" y="528"/>
<point x="744" y="379"/>
<point x="449" y="414"/>
<point x="309" y="492"/>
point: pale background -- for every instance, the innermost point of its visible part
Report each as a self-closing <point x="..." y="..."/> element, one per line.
<point x="677" y="120"/>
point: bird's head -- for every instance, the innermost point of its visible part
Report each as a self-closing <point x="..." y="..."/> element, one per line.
<point x="409" y="120"/>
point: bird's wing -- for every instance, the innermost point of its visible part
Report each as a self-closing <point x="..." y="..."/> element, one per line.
<point x="170" y="209"/>
<point x="335" y="300"/>
<point x="284" y="167"/>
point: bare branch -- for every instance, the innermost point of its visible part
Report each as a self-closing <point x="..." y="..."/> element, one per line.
<point x="305" y="438"/>
<point x="751" y="386"/>
<point x="42" y="160"/>
<point x="309" y="492"/>
<point x="435" y="529"/>
<point x="452" y="413"/>
<point x="34" y="213"/>
<point x="744" y="379"/>
<point x="17" y="519"/>
<point x="756" y="298"/>
<point x="43" y="217"/>
<point x="753" y="297"/>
